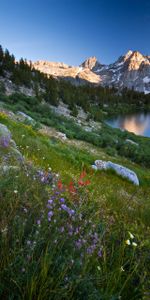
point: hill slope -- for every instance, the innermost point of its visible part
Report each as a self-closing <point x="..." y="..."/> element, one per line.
<point x="60" y="220"/>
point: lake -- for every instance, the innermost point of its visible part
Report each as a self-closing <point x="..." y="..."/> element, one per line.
<point x="138" y="123"/>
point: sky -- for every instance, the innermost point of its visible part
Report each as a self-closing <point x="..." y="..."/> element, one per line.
<point x="70" y="31"/>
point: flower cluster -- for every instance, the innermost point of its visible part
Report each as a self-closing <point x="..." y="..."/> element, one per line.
<point x="130" y="242"/>
<point x="44" y="177"/>
<point x="70" y="224"/>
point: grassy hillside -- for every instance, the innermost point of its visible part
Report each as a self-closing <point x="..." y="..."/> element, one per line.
<point x="68" y="232"/>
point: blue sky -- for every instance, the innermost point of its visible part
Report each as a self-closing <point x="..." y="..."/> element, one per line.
<point x="72" y="30"/>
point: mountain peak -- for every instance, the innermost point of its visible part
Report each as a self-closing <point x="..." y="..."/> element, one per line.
<point x="128" y="54"/>
<point x="90" y="62"/>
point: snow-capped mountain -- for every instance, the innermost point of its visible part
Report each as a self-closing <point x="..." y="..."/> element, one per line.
<point x="131" y="70"/>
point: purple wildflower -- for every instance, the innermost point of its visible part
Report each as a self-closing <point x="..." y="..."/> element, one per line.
<point x="64" y="207"/>
<point x="100" y="253"/>
<point x="62" y="200"/>
<point x="38" y="222"/>
<point x="50" y="214"/>
<point x="78" y="244"/>
<point x="50" y="201"/>
<point x="62" y="229"/>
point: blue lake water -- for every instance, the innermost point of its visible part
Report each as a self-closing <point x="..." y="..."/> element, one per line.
<point x="138" y="123"/>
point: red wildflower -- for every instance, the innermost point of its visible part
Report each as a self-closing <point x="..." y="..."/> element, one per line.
<point x="71" y="187"/>
<point x="60" y="185"/>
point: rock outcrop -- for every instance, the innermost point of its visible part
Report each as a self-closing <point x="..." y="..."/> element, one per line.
<point x="120" y="170"/>
<point x="10" y="156"/>
<point x="22" y="117"/>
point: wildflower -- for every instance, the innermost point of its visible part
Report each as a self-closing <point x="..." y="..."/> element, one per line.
<point x="134" y="244"/>
<point x="50" y="201"/>
<point x="60" y="185"/>
<point x="90" y="250"/>
<point x="78" y="244"/>
<point x="71" y="187"/>
<point x="28" y="243"/>
<point x="131" y="235"/>
<point x="62" y="229"/>
<point x="38" y="222"/>
<point x="83" y="174"/>
<point x="64" y="206"/>
<point x="4" y="230"/>
<point x="128" y="242"/>
<point x="71" y="212"/>
<point x="15" y="192"/>
<point x="100" y="253"/>
<point x="50" y="214"/>
<point x="62" y="200"/>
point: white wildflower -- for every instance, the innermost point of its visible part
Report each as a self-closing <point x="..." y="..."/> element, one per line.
<point x="128" y="242"/>
<point x="131" y="235"/>
<point x="134" y="244"/>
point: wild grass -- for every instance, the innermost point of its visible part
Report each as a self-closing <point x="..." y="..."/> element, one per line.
<point x="95" y="247"/>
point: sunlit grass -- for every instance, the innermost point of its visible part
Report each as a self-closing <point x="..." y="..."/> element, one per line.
<point x="40" y="260"/>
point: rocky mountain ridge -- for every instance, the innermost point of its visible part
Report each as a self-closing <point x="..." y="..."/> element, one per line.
<point x="131" y="70"/>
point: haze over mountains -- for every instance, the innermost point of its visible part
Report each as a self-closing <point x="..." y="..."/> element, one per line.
<point x="131" y="70"/>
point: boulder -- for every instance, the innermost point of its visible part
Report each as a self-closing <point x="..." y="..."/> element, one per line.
<point x="120" y="170"/>
<point x="62" y="136"/>
<point x="132" y="142"/>
<point x="22" y="117"/>
<point x="5" y="136"/>
<point x="9" y="153"/>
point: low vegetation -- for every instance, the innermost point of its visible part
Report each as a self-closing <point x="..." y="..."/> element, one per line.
<point x="68" y="232"/>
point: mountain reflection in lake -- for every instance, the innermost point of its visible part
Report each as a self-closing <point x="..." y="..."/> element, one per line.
<point x="138" y="123"/>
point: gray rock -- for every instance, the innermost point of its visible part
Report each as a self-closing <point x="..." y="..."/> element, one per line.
<point x="94" y="167"/>
<point x="22" y="117"/>
<point x="8" y="149"/>
<point x="62" y="136"/>
<point x="120" y="170"/>
<point x="101" y="165"/>
<point x="132" y="142"/>
<point x="5" y="136"/>
<point x="6" y="169"/>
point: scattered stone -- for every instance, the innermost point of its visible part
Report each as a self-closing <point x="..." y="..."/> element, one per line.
<point x="101" y="165"/>
<point x="9" y="152"/>
<point x="94" y="167"/>
<point x="5" y="136"/>
<point x="22" y="117"/>
<point x="62" y="136"/>
<point x="120" y="170"/>
<point x="131" y="142"/>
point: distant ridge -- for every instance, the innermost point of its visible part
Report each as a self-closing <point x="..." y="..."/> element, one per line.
<point x="131" y="70"/>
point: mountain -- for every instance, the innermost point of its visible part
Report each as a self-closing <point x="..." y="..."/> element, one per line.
<point x="76" y="75"/>
<point x="131" y="70"/>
